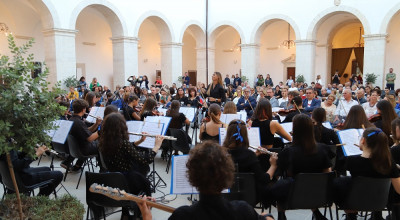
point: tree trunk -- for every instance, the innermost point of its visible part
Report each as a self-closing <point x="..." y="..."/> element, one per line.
<point x="11" y="168"/>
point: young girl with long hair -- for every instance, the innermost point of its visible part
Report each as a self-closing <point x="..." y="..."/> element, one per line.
<point x="210" y="130"/>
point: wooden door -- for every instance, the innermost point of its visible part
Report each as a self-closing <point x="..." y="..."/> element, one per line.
<point x="193" y="77"/>
<point x="291" y="71"/>
<point x="354" y="65"/>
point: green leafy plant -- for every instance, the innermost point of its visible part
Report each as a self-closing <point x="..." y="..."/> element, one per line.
<point x="244" y="78"/>
<point x="181" y="79"/>
<point x="27" y="107"/>
<point x="300" y="78"/>
<point x="71" y="82"/>
<point x="41" y="207"/>
<point x="370" y="78"/>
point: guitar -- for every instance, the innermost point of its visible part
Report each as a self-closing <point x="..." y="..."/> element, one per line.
<point x="117" y="194"/>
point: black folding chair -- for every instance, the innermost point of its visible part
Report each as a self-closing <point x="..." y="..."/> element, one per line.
<point x="243" y="188"/>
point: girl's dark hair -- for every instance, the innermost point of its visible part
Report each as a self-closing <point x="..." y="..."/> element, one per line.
<point x="319" y="116"/>
<point x="148" y="105"/>
<point x="174" y="111"/>
<point x="377" y="142"/>
<point x="388" y="115"/>
<point x="114" y="133"/>
<point x="137" y="91"/>
<point x="192" y="90"/>
<point x="395" y="124"/>
<point x="171" y="91"/>
<point x="297" y="100"/>
<point x="210" y="168"/>
<point x="81" y="78"/>
<point x="177" y="96"/>
<point x="303" y="133"/>
<point x="110" y="109"/>
<point x="356" y="118"/>
<point x="213" y="111"/>
<point x="132" y="98"/>
<point x="263" y="110"/>
<point x="89" y="98"/>
<point x="233" y="141"/>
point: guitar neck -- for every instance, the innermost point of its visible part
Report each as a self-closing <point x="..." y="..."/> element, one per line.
<point x="150" y="203"/>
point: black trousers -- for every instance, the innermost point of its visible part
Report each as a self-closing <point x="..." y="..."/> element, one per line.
<point x="35" y="175"/>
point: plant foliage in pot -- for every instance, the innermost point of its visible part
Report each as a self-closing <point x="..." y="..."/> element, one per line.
<point x="370" y="78"/>
<point x="27" y="106"/>
<point x="300" y="78"/>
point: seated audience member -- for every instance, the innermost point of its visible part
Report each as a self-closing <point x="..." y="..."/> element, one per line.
<point x="278" y="92"/>
<point x="72" y="94"/>
<point x="238" y="94"/>
<point x="193" y="100"/>
<point x="360" y="96"/>
<point x="230" y="108"/>
<point x="270" y="96"/>
<point x="310" y="102"/>
<point x="34" y="175"/>
<point x="85" y="135"/>
<point x="210" y="169"/>
<point x="144" y="95"/>
<point x="284" y="99"/>
<point x="370" y="106"/>
<point x="165" y="97"/>
<point x="129" y="110"/>
<point x="210" y="130"/>
<point x="246" y="103"/>
<point x="180" y="96"/>
<point x="375" y="162"/>
<point x="329" y="107"/>
<point x="304" y="156"/>
<point x="343" y="106"/>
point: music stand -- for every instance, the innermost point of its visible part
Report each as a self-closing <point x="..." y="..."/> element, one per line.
<point x="196" y="125"/>
<point x="52" y="169"/>
<point x="152" y="176"/>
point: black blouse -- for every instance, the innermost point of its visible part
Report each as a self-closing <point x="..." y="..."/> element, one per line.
<point x="267" y="138"/>
<point x="217" y="92"/>
<point x="361" y="166"/>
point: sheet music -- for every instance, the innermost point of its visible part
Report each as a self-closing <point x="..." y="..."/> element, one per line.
<point x="151" y="128"/>
<point x="51" y="132"/>
<point x="327" y="124"/>
<point x="349" y="137"/>
<point x="97" y="112"/>
<point x="160" y="119"/>
<point x="61" y="134"/>
<point x="227" y="118"/>
<point x="288" y="127"/>
<point x="179" y="181"/>
<point x="253" y="133"/>
<point x="243" y="114"/>
<point x="276" y="109"/>
<point x="189" y="112"/>
<point x="134" y="127"/>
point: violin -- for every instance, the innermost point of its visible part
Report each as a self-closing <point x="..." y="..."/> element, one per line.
<point x="284" y="112"/>
<point x="374" y="118"/>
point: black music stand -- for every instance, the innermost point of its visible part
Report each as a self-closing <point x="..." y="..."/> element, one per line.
<point x="52" y="169"/>
<point x="196" y="126"/>
<point x="155" y="179"/>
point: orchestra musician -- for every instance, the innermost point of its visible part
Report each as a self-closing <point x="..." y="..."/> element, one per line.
<point x="230" y="108"/>
<point x="215" y="90"/>
<point x="321" y="133"/>
<point x="304" y="156"/>
<point x="356" y="118"/>
<point x="375" y="161"/>
<point x="297" y="109"/>
<point x="211" y="170"/>
<point x="247" y="103"/>
<point x="177" y="119"/>
<point x="210" y="130"/>
<point x="237" y="143"/>
<point x="384" y="117"/>
<point x="149" y="109"/>
<point x="130" y="110"/>
<point x="289" y="103"/>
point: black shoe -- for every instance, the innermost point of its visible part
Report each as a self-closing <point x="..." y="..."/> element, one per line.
<point x="351" y="216"/>
<point x="377" y="215"/>
<point x="281" y="216"/>
<point x="65" y="165"/>
<point x="318" y="215"/>
<point x="75" y="168"/>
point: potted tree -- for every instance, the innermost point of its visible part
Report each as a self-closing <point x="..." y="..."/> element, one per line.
<point x="27" y="106"/>
<point x="300" y="78"/>
<point x="370" y="78"/>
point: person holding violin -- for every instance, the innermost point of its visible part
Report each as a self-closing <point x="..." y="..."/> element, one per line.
<point x="289" y="104"/>
<point x="210" y="130"/>
<point x="298" y="109"/>
<point x="215" y="91"/>
<point x="370" y="106"/>
<point x="149" y="109"/>
<point x="130" y="111"/>
<point x="310" y="102"/>
<point x="384" y="118"/>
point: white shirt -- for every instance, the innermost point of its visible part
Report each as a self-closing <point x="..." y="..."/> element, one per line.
<point x="369" y="110"/>
<point x="344" y="106"/>
<point x="320" y="82"/>
<point x="282" y="100"/>
<point x="293" y="89"/>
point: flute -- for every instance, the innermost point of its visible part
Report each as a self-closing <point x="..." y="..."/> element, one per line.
<point x="153" y="136"/>
<point x="95" y="117"/>
<point x="262" y="150"/>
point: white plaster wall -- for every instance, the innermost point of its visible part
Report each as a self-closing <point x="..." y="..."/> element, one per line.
<point x="189" y="54"/>
<point x="227" y="62"/>
<point x="98" y="59"/>
<point x="393" y="48"/>
<point x="271" y="55"/>
<point x="149" y="50"/>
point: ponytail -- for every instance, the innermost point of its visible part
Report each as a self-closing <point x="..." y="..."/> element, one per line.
<point x="213" y="111"/>
<point x="377" y="142"/>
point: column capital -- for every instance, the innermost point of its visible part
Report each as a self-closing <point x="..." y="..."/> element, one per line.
<point x="122" y="39"/>
<point x="306" y="42"/>
<point x="368" y="37"/>
<point x="257" y="46"/>
<point x="170" y="44"/>
<point x="59" y="31"/>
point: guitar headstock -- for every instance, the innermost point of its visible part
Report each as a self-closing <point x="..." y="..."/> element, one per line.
<point x="110" y="192"/>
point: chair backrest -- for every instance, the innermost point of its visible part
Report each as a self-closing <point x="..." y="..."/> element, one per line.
<point x="243" y="188"/>
<point x="310" y="190"/>
<point x="182" y="143"/>
<point x="6" y="178"/>
<point x="74" y="149"/>
<point x="368" y="194"/>
<point x="61" y="148"/>
<point x="103" y="163"/>
<point x="112" y="179"/>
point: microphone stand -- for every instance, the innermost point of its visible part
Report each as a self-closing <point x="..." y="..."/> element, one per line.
<point x="195" y="126"/>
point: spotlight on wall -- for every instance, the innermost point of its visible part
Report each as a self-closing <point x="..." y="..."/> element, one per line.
<point x="4" y="28"/>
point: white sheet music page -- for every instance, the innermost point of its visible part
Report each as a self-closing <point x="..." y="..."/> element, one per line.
<point x="253" y="134"/>
<point x="227" y="118"/>
<point x="93" y="112"/>
<point x="162" y="119"/>
<point x="134" y="127"/>
<point x="349" y="137"/>
<point x="61" y="133"/>
<point x="179" y="182"/>
<point x="327" y="124"/>
<point x="288" y="127"/>
<point x="51" y="132"/>
<point x="151" y="128"/>
<point x="189" y="112"/>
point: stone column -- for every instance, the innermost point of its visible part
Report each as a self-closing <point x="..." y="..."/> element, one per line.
<point x="60" y="56"/>
<point x="201" y="64"/>
<point x="250" y="61"/>
<point x="305" y="59"/>
<point x="374" y="57"/>
<point x="125" y="59"/>
<point x="171" y="62"/>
